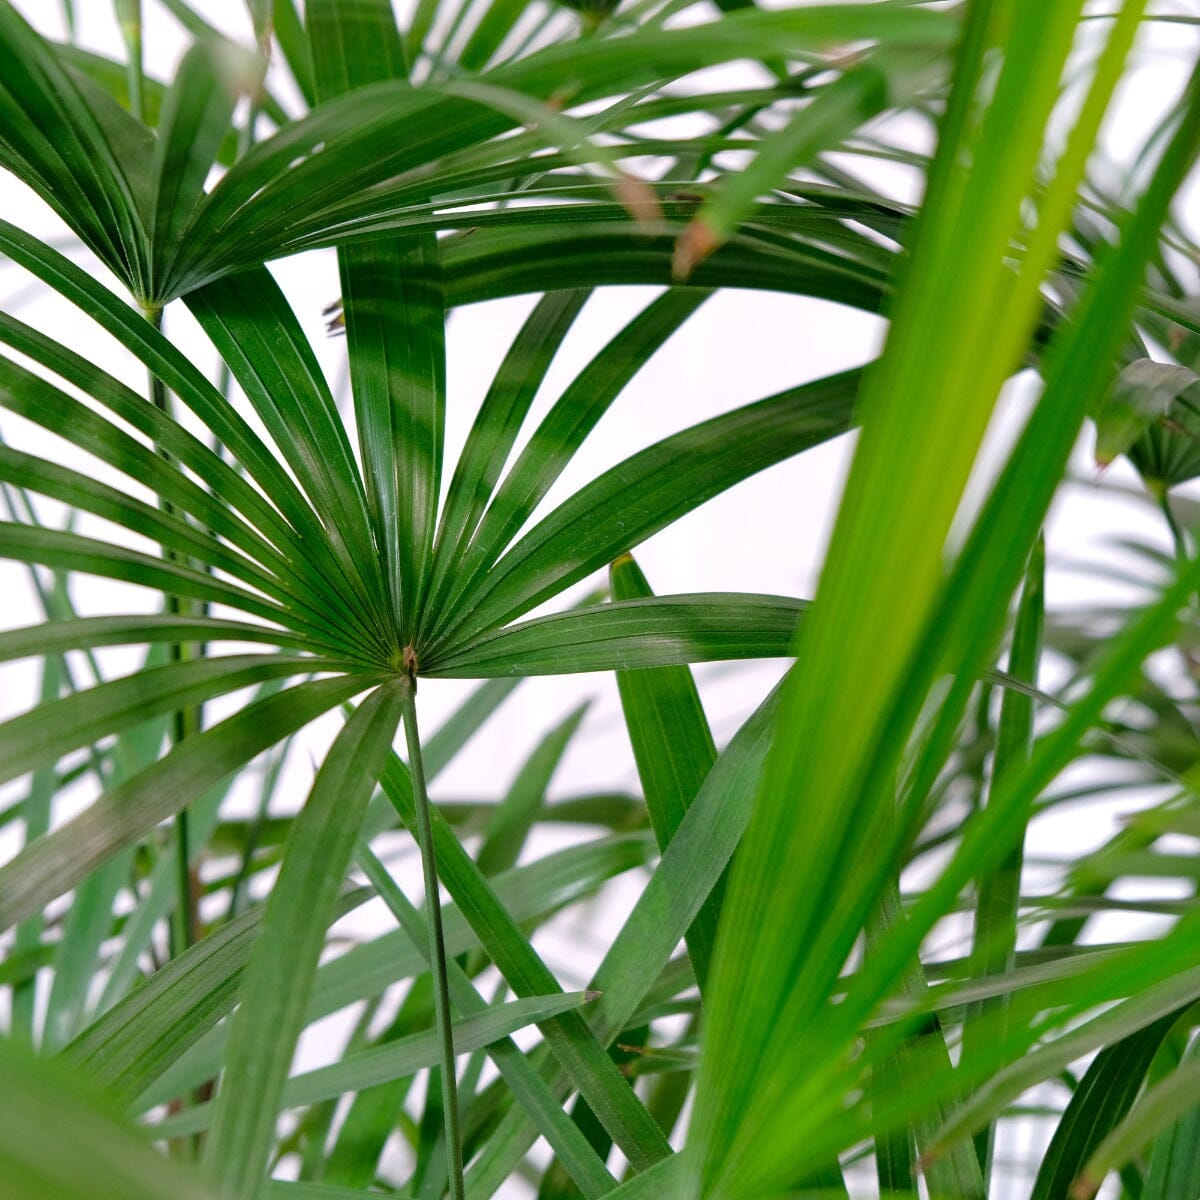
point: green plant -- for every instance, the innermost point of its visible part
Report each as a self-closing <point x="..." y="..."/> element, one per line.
<point x="823" y="1044"/>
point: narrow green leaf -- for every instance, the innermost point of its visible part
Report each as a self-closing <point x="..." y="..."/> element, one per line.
<point x="998" y="897"/>
<point x="555" y="442"/>
<point x="495" y="429"/>
<point x="897" y="512"/>
<point x="857" y="95"/>
<point x="1162" y="1105"/>
<point x="194" y="120"/>
<point x="517" y="1070"/>
<point x="258" y="335"/>
<point x="649" y="490"/>
<point x="531" y="894"/>
<point x="46" y="733"/>
<point x="278" y="979"/>
<point x="186" y="382"/>
<point x="1174" y="1168"/>
<point x="86" y="428"/>
<point x="395" y="330"/>
<point x="466" y="720"/>
<point x="35" y="813"/>
<point x="570" y="1039"/>
<point x="386" y="128"/>
<point x="47" y="1109"/>
<point x="129" y="17"/>
<point x="293" y="41"/>
<point x="131" y="1045"/>
<point x="87" y="926"/>
<point x="352" y="45"/>
<point x="690" y="868"/>
<point x="922" y="1059"/>
<point x="65" y="551"/>
<point x="1102" y="1099"/>
<point x="55" y="863"/>
<point x="52" y="137"/>
<point x="180" y="537"/>
<point x="674" y="752"/>
<point x="89" y="633"/>
<point x="655" y="632"/>
<point x="396" y="1059"/>
<point x="515" y="814"/>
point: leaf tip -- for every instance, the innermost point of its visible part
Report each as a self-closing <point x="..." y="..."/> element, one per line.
<point x="1084" y="1187"/>
<point x="637" y="198"/>
<point x="692" y="247"/>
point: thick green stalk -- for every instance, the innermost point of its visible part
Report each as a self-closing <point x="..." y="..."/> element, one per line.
<point x="437" y="946"/>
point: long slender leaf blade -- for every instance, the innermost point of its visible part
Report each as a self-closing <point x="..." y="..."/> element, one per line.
<point x="649" y="490"/>
<point x="518" y="1071"/>
<point x="279" y="977"/>
<point x="558" y="437"/>
<point x="46" y="1105"/>
<point x="674" y="751"/>
<point x="258" y="335"/>
<point x="659" y="631"/>
<point x="53" y="138"/>
<point x="129" y="1046"/>
<point x="395" y="329"/>
<point x="515" y="814"/>
<point x="46" y="733"/>
<point x="194" y="120"/>
<point x="690" y="868"/>
<point x="1174" y="1168"/>
<point x="881" y="579"/>
<point x="571" y="1040"/>
<point x="1103" y="1097"/>
<point x="397" y="1059"/>
<point x="531" y="894"/>
<point x="55" y="863"/>
<point x="495" y="428"/>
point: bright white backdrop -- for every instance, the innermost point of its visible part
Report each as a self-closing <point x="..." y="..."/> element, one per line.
<point x="739" y="346"/>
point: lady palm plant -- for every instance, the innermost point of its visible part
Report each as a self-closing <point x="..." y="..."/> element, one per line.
<point x="479" y="151"/>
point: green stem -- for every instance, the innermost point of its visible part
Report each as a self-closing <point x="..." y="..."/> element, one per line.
<point x="183" y="723"/>
<point x="437" y="947"/>
<point x="1181" y="549"/>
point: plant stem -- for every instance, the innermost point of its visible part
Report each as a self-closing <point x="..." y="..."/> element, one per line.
<point x="1181" y="549"/>
<point x="183" y="722"/>
<point x="437" y="947"/>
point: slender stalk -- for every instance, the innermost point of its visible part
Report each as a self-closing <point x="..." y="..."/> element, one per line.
<point x="1181" y="549"/>
<point x="437" y="946"/>
<point x="183" y="723"/>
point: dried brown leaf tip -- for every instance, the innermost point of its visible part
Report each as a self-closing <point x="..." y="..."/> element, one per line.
<point x="637" y="198"/>
<point x="692" y="247"/>
<point x="1085" y="1187"/>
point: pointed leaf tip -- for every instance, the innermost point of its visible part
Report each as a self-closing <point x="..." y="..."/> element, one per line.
<point x="692" y="247"/>
<point x="637" y="198"/>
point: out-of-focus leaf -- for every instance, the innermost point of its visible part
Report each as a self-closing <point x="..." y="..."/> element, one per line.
<point x="1152" y="414"/>
<point x="60" y="1142"/>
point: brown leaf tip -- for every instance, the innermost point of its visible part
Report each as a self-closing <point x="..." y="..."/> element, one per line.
<point x="692" y="247"/>
<point x="637" y="198"/>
